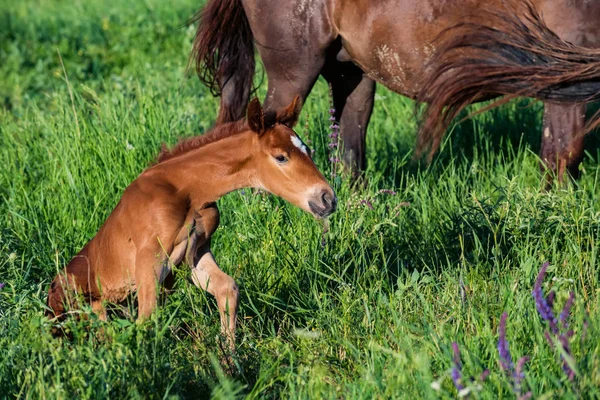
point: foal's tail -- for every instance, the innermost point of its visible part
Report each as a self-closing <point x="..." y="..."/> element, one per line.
<point x="513" y="54"/>
<point x="223" y="52"/>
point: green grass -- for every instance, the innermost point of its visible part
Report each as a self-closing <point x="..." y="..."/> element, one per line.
<point x="366" y="309"/>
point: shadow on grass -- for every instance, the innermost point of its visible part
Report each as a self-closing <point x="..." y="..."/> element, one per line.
<point x="500" y="133"/>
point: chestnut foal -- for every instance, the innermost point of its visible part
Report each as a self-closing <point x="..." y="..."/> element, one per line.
<point x="168" y="214"/>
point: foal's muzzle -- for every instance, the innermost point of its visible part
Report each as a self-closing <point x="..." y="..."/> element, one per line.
<point x="324" y="203"/>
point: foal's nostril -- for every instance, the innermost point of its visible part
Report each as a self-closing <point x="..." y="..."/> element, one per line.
<point x="329" y="200"/>
<point x="327" y="206"/>
<point x="326" y="198"/>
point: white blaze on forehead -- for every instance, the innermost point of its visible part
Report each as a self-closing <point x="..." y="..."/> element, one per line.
<point x="298" y="143"/>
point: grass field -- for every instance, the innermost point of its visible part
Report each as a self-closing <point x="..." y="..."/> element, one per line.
<point x="419" y="259"/>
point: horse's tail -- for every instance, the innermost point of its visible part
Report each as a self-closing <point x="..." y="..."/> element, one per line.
<point x="513" y="54"/>
<point x="223" y="52"/>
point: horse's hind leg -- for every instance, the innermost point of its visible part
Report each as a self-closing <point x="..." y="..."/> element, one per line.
<point x="562" y="140"/>
<point x="353" y="96"/>
<point x="208" y="276"/>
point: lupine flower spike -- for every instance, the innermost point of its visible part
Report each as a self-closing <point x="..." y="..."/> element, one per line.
<point x="559" y="332"/>
<point x="517" y="374"/>
<point x="505" y="359"/>
<point x="456" y="373"/>
<point x="464" y="385"/>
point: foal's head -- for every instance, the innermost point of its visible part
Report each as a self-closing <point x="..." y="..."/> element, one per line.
<point x="284" y="165"/>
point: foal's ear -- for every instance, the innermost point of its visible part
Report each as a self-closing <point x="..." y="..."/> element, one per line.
<point x="289" y="116"/>
<point x="256" y="116"/>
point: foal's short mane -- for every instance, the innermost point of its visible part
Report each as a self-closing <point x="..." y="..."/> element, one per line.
<point x="215" y="134"/>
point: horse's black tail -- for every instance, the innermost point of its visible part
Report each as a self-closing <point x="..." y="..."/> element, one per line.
<point x="513" y="54"/>
<point x="223" y="52"/>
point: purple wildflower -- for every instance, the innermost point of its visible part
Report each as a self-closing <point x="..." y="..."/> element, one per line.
<point x="2" y="285"/>
<point x="518" y="377"/>
<point x="505" y="359"/>
<point x="484" y="375"/>
<point x="456" y="373"/>
<point x="555" y="335"/>
<point x="367" y="203"/>
<point x="567" y="349"/>
<point x="564" y="315"/>
<point x="550" y="299"/>
<point x="387" y="191"/>
<point x="517" y="374"/>
<point x="541" y="302"/>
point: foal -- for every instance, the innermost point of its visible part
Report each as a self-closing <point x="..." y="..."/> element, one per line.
<point x="168" y="214"/>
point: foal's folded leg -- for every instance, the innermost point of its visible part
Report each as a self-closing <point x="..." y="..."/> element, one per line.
<point x="208" y="276"/>
<point x="146" y="280"/>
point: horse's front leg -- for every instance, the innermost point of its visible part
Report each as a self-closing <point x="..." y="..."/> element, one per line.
<point x="148" y="264"/>
<point x="207" y="275"/>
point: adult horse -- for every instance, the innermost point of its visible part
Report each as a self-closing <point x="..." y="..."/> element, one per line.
<point x="353" y="44"/>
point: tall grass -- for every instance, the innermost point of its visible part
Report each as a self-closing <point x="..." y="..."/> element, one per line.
<point x="420" y="257"/>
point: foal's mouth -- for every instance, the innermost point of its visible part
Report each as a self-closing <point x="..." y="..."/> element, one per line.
<point x="324" y="210"/>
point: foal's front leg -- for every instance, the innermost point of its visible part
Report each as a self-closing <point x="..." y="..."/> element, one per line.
<point x="147" y="263"/>
<point x="207" y="275"/>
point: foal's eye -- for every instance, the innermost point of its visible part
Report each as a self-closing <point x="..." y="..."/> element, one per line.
<point x="281" y="159"/>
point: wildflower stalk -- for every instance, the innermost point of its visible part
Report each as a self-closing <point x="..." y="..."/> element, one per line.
<point x="517" y="373"/>
<point x="559" y="333"/>
<point x="456" y="372"/>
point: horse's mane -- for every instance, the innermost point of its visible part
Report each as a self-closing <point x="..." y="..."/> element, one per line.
<point x="215" y="134"/>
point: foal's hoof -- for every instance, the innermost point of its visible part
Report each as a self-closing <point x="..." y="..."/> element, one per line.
<point x="227" y="359"/>
<point x="228" y="365"/>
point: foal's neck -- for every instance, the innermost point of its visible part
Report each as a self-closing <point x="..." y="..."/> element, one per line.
<point x="215" y="169"/>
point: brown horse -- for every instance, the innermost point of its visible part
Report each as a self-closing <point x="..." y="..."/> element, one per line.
<point x="168" y="214"/>
<point x="354" y="43"/>
<point x="520" y="56"/>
